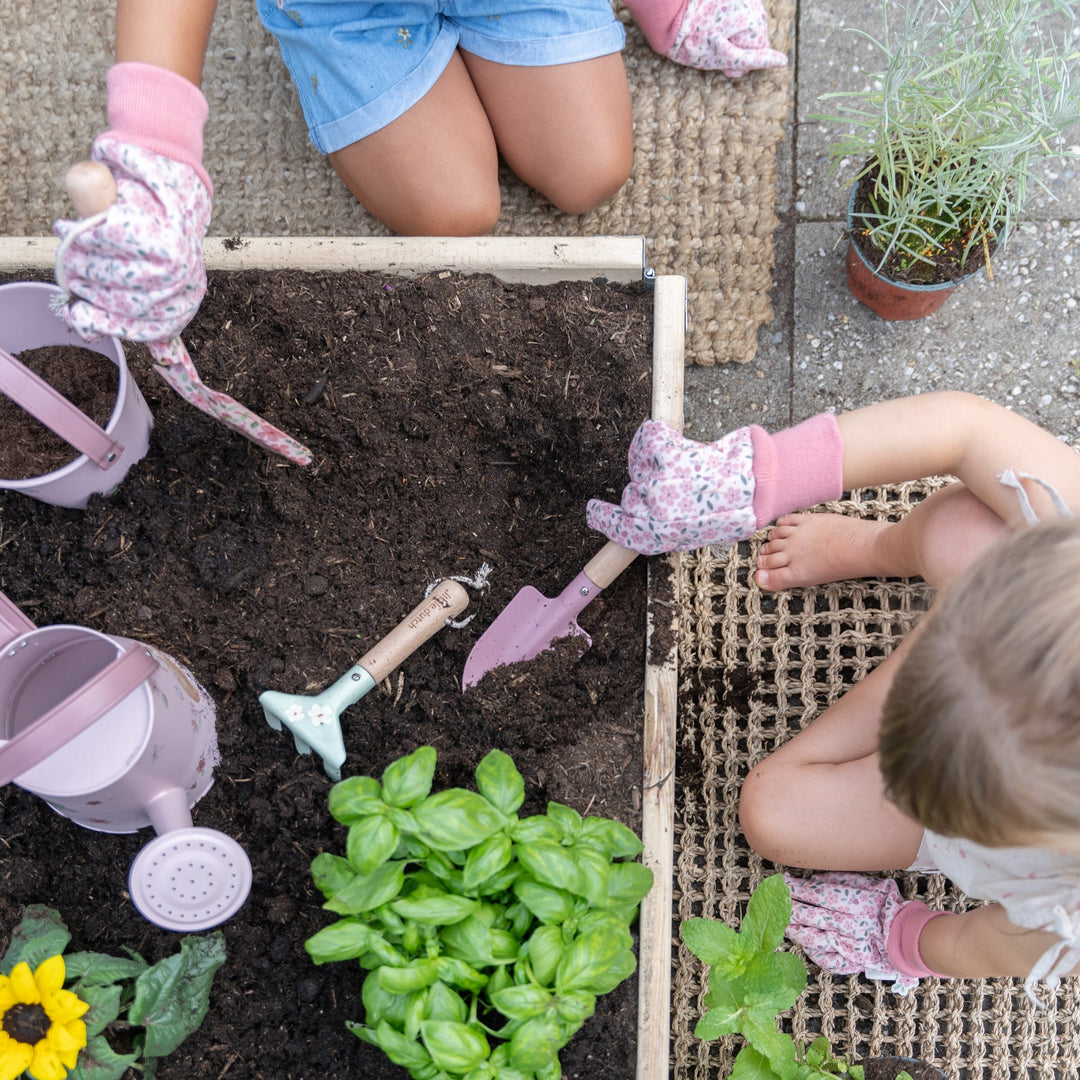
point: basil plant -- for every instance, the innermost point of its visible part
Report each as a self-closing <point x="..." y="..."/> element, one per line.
<point x="487" y="937"/>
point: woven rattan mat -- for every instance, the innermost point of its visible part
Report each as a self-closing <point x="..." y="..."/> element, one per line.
<point x="755" y="668"/>
<point x="702" y="189"/>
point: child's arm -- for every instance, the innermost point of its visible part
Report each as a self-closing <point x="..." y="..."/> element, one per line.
<point x="684" y="494"/>
<point x="170" y="34"/>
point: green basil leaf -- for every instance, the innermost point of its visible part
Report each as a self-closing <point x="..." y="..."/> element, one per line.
<point x="621" y="968"/>
<point x="504" y="945"/>
<point x="499" y="781"/>
<point x="408" y="780"/>
<point x="499" y="980"/>
<point x="370" y="843"/>
<point x="456" y="819"/>
<point x="486" y="859"/>
<point x="443" y="1003"/>
<point x="368" y="891"/>
<point x="414" y="1013"/>
<point x="535" y="1045"/>
<point x="455" y="1048"/>
<point x="458" y="973"/>
<point x="469" y="940"/>
<point x="400" y="1049"/>
<point x="354" y="798"/>
<point x="331" y="873"/>
<point x="595" y="871"/>
<point x="344" y="940"/>
<point x="380" y="1004"/>
<point x="521" y="1002"/>
<point x="441" y="910"/>
<point x="627" y="884"/>
<point x="552" y="864"/>
<point x="576" y="1007"/>
<point x="544" y="950"/>
<point x="610" y="837"/>
<point x="550" y="906"/>
<point x="404" y="980"/>
<point x="567" y="820"/>
<point x="529" y="830"/>
<point x="587" y="958"/>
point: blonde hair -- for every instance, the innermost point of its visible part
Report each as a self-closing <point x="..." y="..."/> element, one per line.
<point x="980" y="733"/>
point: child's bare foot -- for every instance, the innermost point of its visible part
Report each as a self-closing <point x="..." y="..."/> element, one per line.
<point x="812" y="549"/>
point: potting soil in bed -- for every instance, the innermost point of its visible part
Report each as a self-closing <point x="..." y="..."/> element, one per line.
<point x="454" y="421"/>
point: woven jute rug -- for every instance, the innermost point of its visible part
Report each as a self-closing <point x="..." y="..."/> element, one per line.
<point x="702" y="189"/>
<point x="755" y="668"/>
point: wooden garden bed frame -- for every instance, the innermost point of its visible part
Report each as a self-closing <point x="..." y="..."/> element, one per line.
<point x="532" y="260"/>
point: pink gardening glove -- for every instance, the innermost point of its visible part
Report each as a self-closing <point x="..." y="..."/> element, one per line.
<point x="136" y="269"/>
<point x="731" y="36"/>
<point x="849" y="923"/>
<point x="684" y="494"/>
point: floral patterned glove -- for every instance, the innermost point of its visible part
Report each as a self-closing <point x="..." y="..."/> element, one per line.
<point x="731" y="36"/>
<point x="684" y="494"/>
<point x="136" y="269"/>
<point x="849" y="923"/>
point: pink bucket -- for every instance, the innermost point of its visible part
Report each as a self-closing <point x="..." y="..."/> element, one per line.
<point x="104" y="454"/>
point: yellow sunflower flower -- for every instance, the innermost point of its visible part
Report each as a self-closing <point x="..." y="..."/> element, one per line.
<point x="40" y="1029"/>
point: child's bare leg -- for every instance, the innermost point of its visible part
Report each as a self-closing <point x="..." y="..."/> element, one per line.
<point x="434" y="170"/>
<point x="565" y="129"/>
<point x="935" y="540"/>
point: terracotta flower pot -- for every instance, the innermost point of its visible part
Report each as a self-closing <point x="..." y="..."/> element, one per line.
<point x="892" y="300"/>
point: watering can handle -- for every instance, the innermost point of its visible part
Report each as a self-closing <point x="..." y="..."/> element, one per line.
<point x="43" y="402"/>
<point x="76" y="712"/>
<point x="13" y="623"/>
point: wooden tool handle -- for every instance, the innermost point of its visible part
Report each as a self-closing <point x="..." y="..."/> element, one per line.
<point x="608" y="563"/>
<point x="446" y="600"/>
<point x="91" y="187"/>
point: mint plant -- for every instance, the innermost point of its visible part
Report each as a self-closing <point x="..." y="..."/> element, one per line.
<point x="750" y="982"/>
<point x="59" y="1010"/>
<point x="487" y="937"/>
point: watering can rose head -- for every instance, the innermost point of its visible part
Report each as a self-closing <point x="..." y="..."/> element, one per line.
<point x="40" y="1027"/>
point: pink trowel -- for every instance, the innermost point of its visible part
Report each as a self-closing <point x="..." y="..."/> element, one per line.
<point x="531" y="622"/>
<point x="314" y="720"/>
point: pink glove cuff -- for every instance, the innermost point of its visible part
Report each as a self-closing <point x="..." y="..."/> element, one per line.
<point x="796" y="468"/>
<point x="903" y="942"/>
<point x="659" y="21"/>
<point x="160" y="111"/>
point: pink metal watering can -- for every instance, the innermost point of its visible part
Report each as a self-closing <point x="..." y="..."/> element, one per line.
<point x="117" y="736"/>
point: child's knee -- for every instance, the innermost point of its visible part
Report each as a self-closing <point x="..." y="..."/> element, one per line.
<point x="591" y="182"/>
<point x="472" y="212"/>
<point x="761" y="814"/>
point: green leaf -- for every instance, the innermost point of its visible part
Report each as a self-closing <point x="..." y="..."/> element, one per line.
<point x="368" y="891"/>
<point x="331" y="873"/>
<point x="344" y="940"/>
<point x="499" y="781"/>
<point x="443" y="1003"/>
<point x="404" y="980"/>
<point x="469" y="940"/>
<point x="544" y="950"/>
<point x="442" y="910"/>
<point x="576" y="1008"/>
<point x="487" y="859"/>
<point x="455" y="1048"/>
<point x="551" y="864"/>
<point x="567" y="820"/>
<point x="588" y="957"/>
<point x="171" y="997"/>
<point x="371" y="842"/>
<point x="621" y="968"/>
<point x="521" y="1002"/>
<point x="458" y="973"/>
<point x="612" y="838"/>
<point x="777" y="1047"/>
<point x="380" y="1004"/>
<point x="715" y="943"/>
<point x="104" y="1002"/>
<point x="767" y="914"/>
<point x="356" y="797"/>
<point x="713" y="1025"/>
<point x="408" y="780"/>
<point x="627" y="884"/>
<point x="400" y="1049"/>
<point x="750" y="1065"/>
<point x="530" y="830"/>
<point x="550" y="906"/>
<point x="41" y="933"/>
<point x="535" y="1045"/>
<point x="595" y="869"/>
<point x="100" y="969"/>
<point x="456" y="819"/>
<point x="98" y="1061"/>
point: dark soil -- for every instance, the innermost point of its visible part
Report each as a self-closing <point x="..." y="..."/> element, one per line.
<point x="454" y="421"/>
<point x="951" y="265"/>
<point x="86" y="378"/>
<point x="887" y="1068"/>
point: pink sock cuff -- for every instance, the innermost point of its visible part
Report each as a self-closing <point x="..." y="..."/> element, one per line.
<point x="903" y="943"/>
<point x="798" y="467"/>
<point x="160" y="111"/>
<point x="659" y="21"/>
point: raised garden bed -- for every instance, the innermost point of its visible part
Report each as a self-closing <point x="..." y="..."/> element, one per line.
<point x="454" y="421"/>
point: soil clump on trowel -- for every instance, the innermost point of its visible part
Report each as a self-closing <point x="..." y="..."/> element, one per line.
<point x="455" y="422"/>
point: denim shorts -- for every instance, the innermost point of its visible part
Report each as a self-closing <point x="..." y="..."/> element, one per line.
<point x="358" y="66"/>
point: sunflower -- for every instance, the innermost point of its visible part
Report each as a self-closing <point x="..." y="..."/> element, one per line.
<point x="40" y="1029"/>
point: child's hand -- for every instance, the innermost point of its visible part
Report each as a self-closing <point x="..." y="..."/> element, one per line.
<point x="136" y="270"/>
<point x="726" y="35"/>
<point x="682" y="494"/>
<point x="849" y="923"/>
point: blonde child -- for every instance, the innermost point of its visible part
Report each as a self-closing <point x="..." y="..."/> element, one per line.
<point x="958" y="753"/>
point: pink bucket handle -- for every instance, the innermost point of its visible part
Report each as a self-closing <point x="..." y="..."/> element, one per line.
<point x="13" y="623"/>
<point x="76" y="712"/>
<point x="59" y="415"/>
